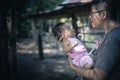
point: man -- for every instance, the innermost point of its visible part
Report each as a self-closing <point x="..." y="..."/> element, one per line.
<point x="104" y="14"/>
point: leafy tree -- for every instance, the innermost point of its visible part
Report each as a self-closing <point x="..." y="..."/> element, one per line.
<point x="27" y="7"/>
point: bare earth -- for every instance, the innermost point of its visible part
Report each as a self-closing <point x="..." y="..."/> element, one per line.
<point x="54" y="66"/>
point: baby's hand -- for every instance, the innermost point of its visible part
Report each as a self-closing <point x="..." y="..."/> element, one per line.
<point x="75" y="44"/>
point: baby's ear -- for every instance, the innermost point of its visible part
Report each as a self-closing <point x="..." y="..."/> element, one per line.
<point x="64" y="36"/>
<point x="61" y="38"/>
<point x="57" y="38"/>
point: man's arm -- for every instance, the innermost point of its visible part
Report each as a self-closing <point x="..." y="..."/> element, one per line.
<point x="92" y="74"/>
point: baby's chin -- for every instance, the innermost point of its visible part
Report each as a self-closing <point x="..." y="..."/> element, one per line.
<point x="70" y="36"/>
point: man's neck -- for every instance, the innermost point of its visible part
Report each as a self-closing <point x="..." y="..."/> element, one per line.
<point x="109" y="26"/>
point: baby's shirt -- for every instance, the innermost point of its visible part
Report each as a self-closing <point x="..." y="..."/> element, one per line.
<point x="78" y="49"/>
<point x="79" y="53"/>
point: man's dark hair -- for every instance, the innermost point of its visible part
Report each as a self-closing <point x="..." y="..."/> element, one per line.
<point x="112" y="8"/>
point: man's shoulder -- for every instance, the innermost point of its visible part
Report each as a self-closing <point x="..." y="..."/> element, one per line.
<point x="115" y="33"/>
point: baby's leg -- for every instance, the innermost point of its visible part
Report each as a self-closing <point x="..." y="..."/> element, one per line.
<point x="88" y="66"/>
<point x="86" y="61"/>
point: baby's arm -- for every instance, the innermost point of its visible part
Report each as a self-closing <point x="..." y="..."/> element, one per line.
<point x="67" y="47"/>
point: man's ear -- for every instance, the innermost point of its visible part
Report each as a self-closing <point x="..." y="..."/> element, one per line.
<point x="104" y="15"/>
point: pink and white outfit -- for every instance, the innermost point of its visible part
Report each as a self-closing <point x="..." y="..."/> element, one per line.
<point x="79" y="53"/>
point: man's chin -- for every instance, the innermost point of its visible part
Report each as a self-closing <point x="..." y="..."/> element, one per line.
<point x="93" y="26"/>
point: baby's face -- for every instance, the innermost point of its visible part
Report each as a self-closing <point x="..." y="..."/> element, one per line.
<point x="69" y="33"/>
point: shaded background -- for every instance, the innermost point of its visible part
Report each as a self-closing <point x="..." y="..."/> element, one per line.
<point x="28" y="49"/>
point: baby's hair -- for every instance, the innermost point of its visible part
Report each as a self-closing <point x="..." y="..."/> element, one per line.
<point x="59" y="29"/>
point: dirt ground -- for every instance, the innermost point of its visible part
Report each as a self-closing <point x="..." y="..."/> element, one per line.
<point x="54" y="66"/>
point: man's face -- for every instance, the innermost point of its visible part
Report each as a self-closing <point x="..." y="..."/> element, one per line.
<point x="96" y="17"/>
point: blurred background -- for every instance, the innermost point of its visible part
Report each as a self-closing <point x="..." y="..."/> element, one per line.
<point x="28" y="49"/>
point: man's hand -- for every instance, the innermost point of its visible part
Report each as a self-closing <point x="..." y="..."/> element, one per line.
<point x="71" y="63"/>
<point x="92" y="74"/>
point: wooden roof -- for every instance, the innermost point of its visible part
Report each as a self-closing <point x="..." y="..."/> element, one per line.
<point x="66" y="10"/>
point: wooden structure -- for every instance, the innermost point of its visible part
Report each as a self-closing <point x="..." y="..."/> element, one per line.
<point x="71" y="9"/>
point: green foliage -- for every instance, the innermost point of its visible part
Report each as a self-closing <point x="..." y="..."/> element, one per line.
<point x="24" y="29"/>
<point x="82" y="19"/>
<point x="64" y="20"/>
<point x="46" y="26"/>
<point x="24" y="8"/>
<point x="42" y="5"/>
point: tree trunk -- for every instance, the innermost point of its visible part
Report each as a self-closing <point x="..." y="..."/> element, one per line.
<point x="13" y="44"/>
<point x="74" y="23"/>
<point x="4" y="63"/>
<point x="4" y="46"/>
<point x="41" y="55"/>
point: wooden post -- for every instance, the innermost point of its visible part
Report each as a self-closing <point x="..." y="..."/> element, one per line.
<point x="38" y="39"/>
<point x="74" y="23"/>
<point x="1" y="40"/>
<point x="34" y="24"/>
<point x="40" y="46"/>
<point x="13" y="42"/>
<point x="4" y="46"/>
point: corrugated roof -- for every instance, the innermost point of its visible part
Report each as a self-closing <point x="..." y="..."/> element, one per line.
<point x="75" y="1"/>
<point x="66" y="8"/>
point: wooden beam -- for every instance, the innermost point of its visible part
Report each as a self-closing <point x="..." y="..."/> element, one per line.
<point x="74" y="23"/>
